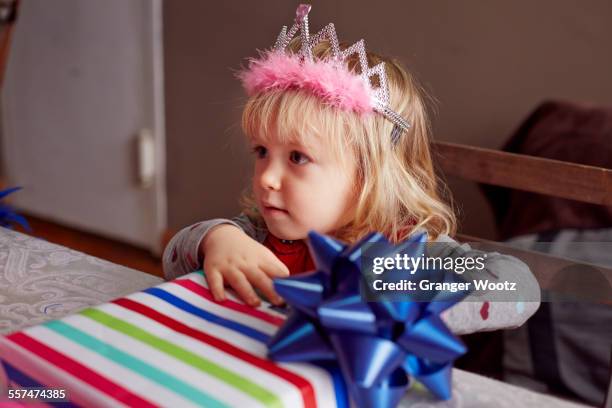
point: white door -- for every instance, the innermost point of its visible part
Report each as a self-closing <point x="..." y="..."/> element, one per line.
<point x="84" y="79"/>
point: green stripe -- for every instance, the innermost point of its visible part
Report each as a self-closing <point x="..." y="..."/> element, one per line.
<point x="134" y="364"/>
<point x="237" y="381"/>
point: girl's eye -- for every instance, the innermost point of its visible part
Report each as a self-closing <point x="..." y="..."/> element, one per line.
<point x="298" y="158"/>
<point x="260" y="151"/>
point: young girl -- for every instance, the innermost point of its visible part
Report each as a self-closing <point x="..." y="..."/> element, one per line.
<point x="341" y="145"/>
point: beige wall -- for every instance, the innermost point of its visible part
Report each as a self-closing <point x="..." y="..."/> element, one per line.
<point x="488" y="63"/>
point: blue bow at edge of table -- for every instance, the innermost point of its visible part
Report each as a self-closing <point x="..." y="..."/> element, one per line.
<point x="380" y="346"/>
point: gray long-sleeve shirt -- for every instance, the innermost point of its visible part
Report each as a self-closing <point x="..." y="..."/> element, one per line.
<point x="474" y="313"/>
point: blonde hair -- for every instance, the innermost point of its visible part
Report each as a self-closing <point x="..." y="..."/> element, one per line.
<point x="396" y="188"/>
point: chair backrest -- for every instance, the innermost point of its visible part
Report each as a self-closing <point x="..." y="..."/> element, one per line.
<point x="556" y="178"/>
<point x="528" y="173"/>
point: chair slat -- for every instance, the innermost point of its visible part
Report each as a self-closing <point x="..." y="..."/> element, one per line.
<point x="545" y="176"/>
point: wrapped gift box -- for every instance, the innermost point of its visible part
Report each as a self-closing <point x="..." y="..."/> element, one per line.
<point x="169" y="345"/>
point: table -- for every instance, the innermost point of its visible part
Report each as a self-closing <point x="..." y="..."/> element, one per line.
<point x="40" y="281"/>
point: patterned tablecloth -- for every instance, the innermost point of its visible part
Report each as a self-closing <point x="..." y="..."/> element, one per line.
<point x="40" y="281"/>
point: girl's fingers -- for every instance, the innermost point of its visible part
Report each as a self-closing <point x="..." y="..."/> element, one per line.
<point x="273" y="267"/>
<point x="215" y="283"/>
<point x="243" y="288"/>
<point x="261" y="281"/>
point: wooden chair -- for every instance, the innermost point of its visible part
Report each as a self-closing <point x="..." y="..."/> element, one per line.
<point x="528" y="173"/>
<point x="532" y="174"/>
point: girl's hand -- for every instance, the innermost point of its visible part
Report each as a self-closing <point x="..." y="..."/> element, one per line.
<point x="231" y="257"/>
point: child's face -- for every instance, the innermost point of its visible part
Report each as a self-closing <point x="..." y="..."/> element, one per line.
<point x="301" y="188"/>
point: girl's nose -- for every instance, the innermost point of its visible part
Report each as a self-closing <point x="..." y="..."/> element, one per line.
<point x="271" y="176"/>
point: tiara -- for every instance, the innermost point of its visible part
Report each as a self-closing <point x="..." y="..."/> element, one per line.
<point x="330" y="79"/>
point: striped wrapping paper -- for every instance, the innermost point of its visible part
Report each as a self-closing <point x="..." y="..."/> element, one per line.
<point x="170" y="345"/>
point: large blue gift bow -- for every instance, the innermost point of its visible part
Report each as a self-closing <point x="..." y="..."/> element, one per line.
<point x="379" y="346"/>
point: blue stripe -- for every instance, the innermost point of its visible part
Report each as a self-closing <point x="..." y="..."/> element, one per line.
<point x="204" y="314"/>
<point x="26" y="381"/>
<point x="342" y="400"/>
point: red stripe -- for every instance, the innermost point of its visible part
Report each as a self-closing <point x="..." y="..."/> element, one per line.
<point x="308" y="393"/>
<point x="79" y="370"/>
<point x="230" y="304"/>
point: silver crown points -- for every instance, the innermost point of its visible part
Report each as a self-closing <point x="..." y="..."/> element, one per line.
<point x="380" y="94"/>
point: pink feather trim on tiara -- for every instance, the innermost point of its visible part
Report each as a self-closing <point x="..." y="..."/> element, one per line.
<point x="329" y="80"/>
